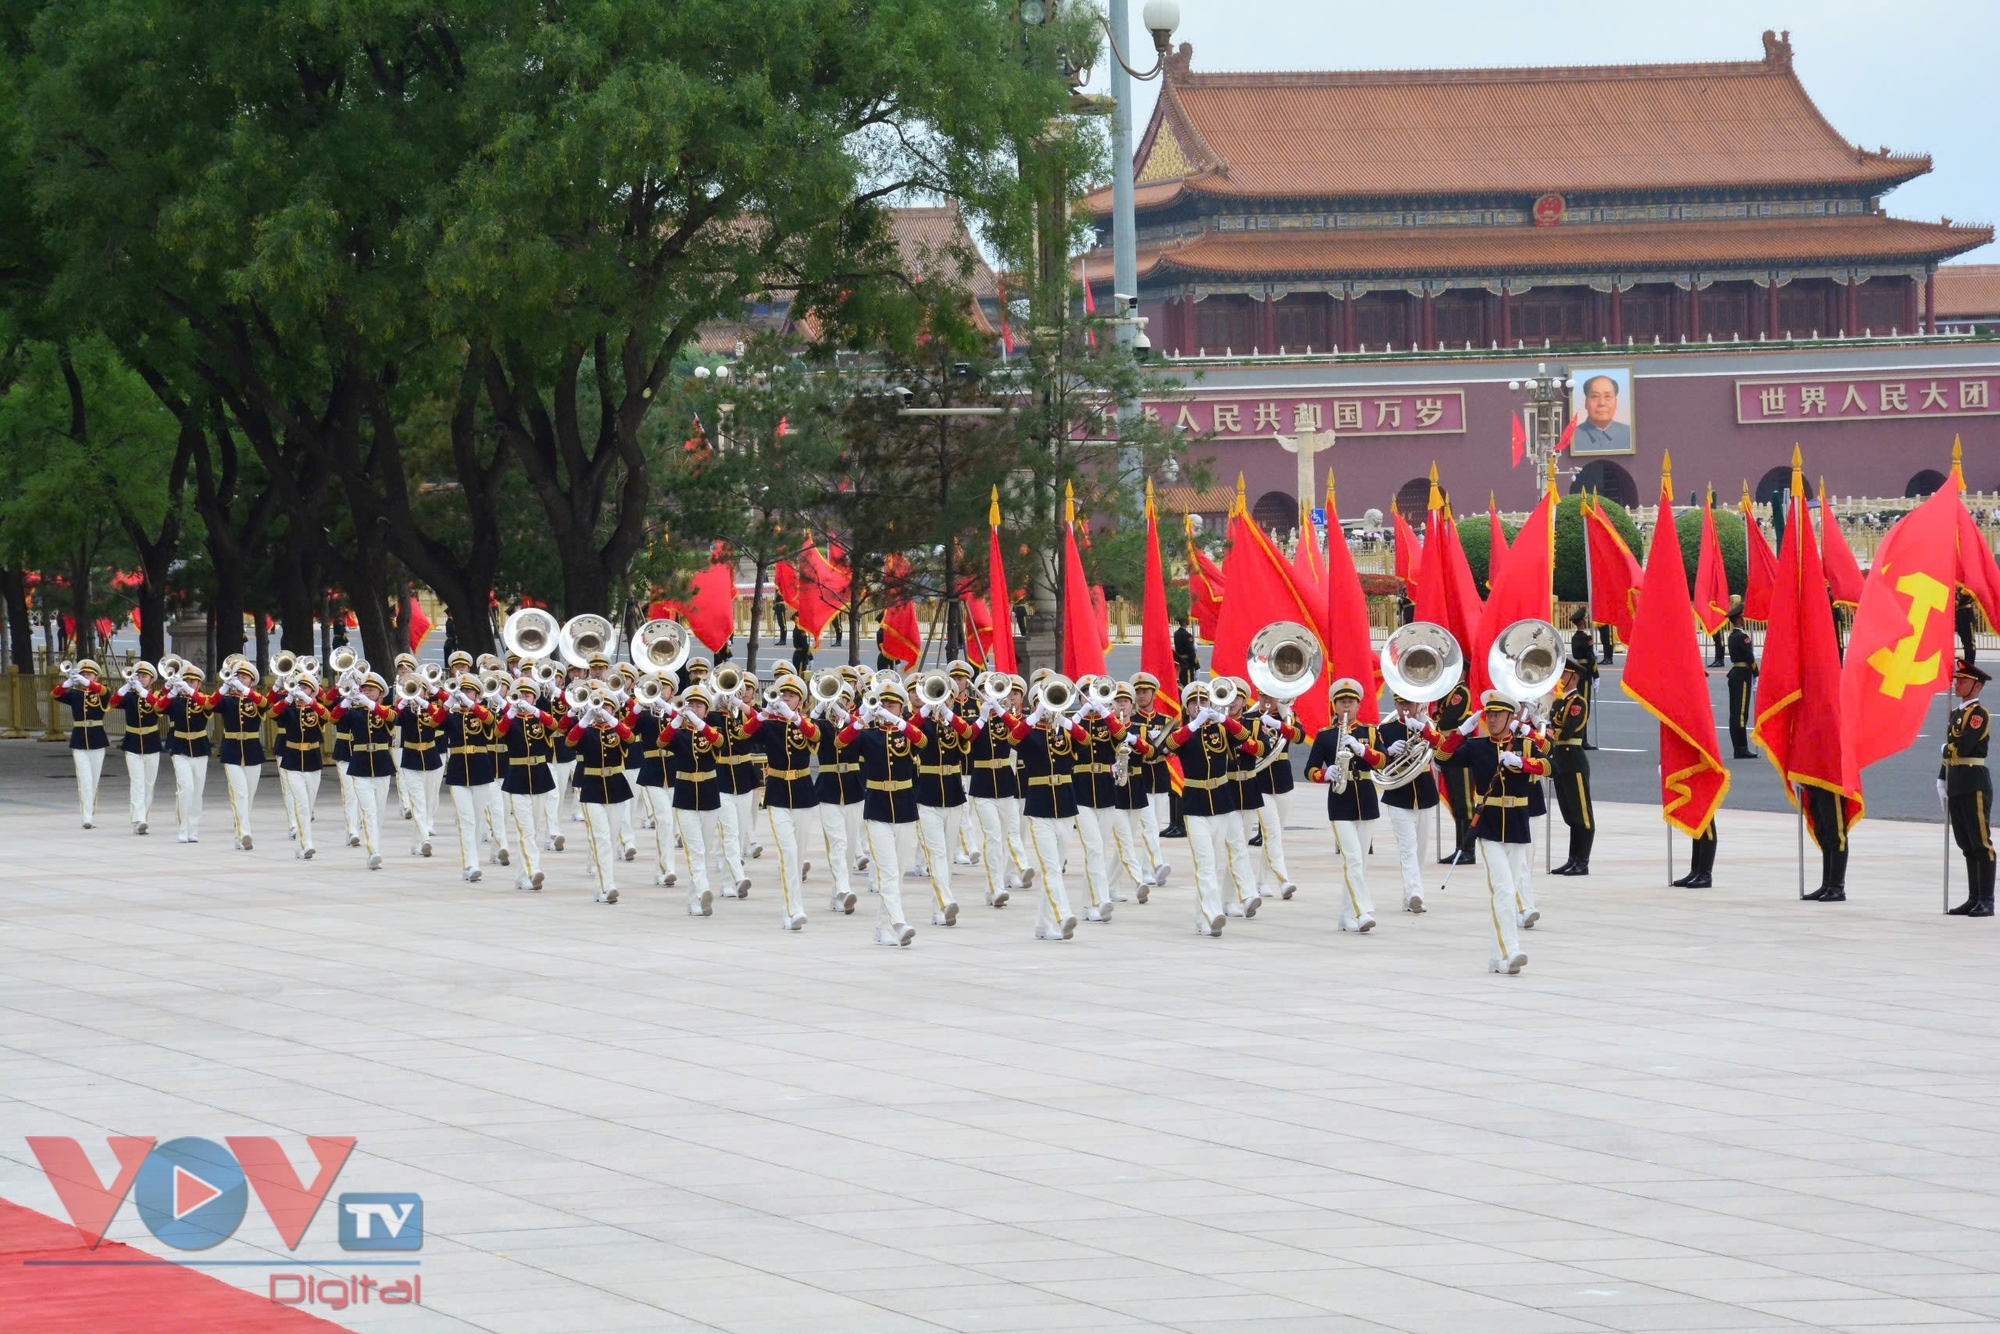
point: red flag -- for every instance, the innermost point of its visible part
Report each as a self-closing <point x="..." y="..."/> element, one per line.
<point x="1798" y="683"/>
<point x="1569" y="433"/>
<point x="420" y="625"/>
<point x="1443" y="591"/>
<point x="1665" y="675"/>
<point x="1350" y="648"/>
<point x="1496" y="544"/>
<point x="1520" y="441"/>
<point x="1523" y="589"/>
<point x="1843" y="572"/>
<point x="1083" y="631"/>
<point x="997" y="596"/>
<point x="1308" y="565"/>
<point x="1156" y="635"/>
<point x="978" y="627"/>
<point x="1711" y="576"/>
<point x="1760" y="566"/>
<point x="1204" y="587"/>
<point x="712" y="605"/>
<point x="902" y="640"/>
<point x="1260" y="591"/>
<point x="785" y="577"/>
<point x="1615" y="576"/>
<point x="1409" y="551"/>
<point x="822" y="592"/>
<point x="1899" y="653"/>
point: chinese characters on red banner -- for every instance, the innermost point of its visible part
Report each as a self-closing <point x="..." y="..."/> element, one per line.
<point x="1872" y="399"/>
<point x="1426" y="412"/>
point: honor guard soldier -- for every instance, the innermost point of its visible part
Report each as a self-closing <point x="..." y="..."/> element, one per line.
<point x="1048" y="745"/>
<point x="600" y="737"/>
<point x="1570" y="721"/>
<point x="143" y="742"/>
<point x="1351" y="804"/>
<point x="470" y="770"/>
<point x="1826" y="820"/>
<point x="1742" y="673"/>
<point x="301" y="720"/>
<point x="524" y="729"/>
<point x="886" y="745"/>
<point x="241" y="709"/>
<point x="1502" y="772"/>
<point x="1409" y="725"/>
<point x="1967" y="791"/>
<point x="187" y="715"/>
<point x="1096" y="802"/>
<point x="1584" y="654"/>
<point x="789" y="739"/>
<point x="838" y="787"/>
<point x="85" y="696"/>
<point x="996" y="789"/>
<point x="1155" y="722"/>
<point x="1459" y="791"/>
<point x="1205" y="742"/>
<point x="370" y="767"/>
<point x="1701" y="865"/>
<point x="420" y="767"/>
<point x="941" y="800"/>
<point x="697" y="796"/>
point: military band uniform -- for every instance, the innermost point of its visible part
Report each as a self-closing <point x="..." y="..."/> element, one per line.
<point x="1048" y="754"/>
<point x="737" y="784"/>
<point x="1405" y="806"/>
<point x="420" y="768"/>
<point x="471" y="775"/>
<point x="1502" y="826"/>
<point x="529" y="774"/>
<point x="350" y="806"/>
<point x="242" y="755"/>
<point x="1967" y="789"/>
<point x="838" y="787"/>
<point x="1571" y="722"/>
<point x="143" y="744"/>
<point x="1133" y="813"/>
<point x="696" y="797"/>
<point x="1352" y="812"/>
<point x="1742" y="673"/>
<point x="301" y="745"/>
<point x="86" y="700"/>
<point x="1159" y="790"/>
<point x="187" y="716"/>
<point x="887" y="751"/>
<point x="1459" y="791"/>
<point x="1274" y="786"/>
<point x="601" y="785"/>
<point x="941" y="805"/>
<point x="996" y="792"/>
<point x="1096" y="799"/>
<point x="1208" y="799"/>
<point x="790" y="798"/>
<point x="369" y="769"/>
<point x="652" y="742"/>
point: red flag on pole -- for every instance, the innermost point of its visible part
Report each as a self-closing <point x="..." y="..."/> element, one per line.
<point x="711" y="611"/>
<point x="1496" y="544"/>
<point x="1523" y="590"/>
<point x="1083" y="631"/>
<point x="1615" y="576"/>
<point x="998" y="596"/>
<point x="1520" y="441"/>
<point x="902" y="638"/>
<point x="1760" y="566"/>
<point x="1569" y="433"/>
<point x="1260" y="591"/>
<point x="1204" y="587"/>
<point x="1156" y="634"/>
<point x="1439" y="593"/>
<point x="1409" y="551"/>
<point x="1711" y="576"/>
<point x="1665" y="675"/>
<point x="1843" y="572"/>
<point x="1350" y="648"/>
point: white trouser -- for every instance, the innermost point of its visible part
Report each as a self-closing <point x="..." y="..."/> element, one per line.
<point x="1017" y="830"/>
<point x="1151" y="822"/>
<point x="660" y="809"/>
<point x="371" y="798"/>
<point x="568" y="799"/>
<point x="1408" y="824"/>
<point x="1242" y="874"/>
<point x="1128" y="853"/>
<point x="467" y="803"/>
<point x="889" y="847"/>
<point x="1352" y="838"/>
<point x="622" y="824"/>
<point x="404" y="782"/>
<point x="1506" y="869"/>
<point x="603" y="843"/>
<point x="89" y="773"/>
<point x="143" y="771"/>
<point x="727" y="848"/>
<point x="937" y="832"/>
<point x="190" y="777"/>
<point x="1208" y="846"/>
<point x="521" y="811"/>
<point x="350" y="806"/>
<point x="857" y="838"/>
<point x="833" y="833"/>
<point x="417" y="799"/>
<point x="971" y="838"/>
<point x="301" y="789"/>
<point x="1524" y="888"/>
<point x="545" y="817"/>
<point x="1270" y="819"/>
<point x="241" y="781"/>
<point x="694" y="828"/>
<point x="1046" y="848"/>
<point x="1091" y="834"/>
<point x="785" y="838"/>
<point x="997" y="854"/>
<point x="493" y="811"/>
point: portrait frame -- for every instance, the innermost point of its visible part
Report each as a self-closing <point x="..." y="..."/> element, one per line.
<point x="1582" y="445"/>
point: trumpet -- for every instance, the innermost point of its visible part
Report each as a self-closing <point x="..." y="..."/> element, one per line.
<point x="1222" y="693"/>
<point x="431" y="675"/>
<point x="66" y="668"/>
<point x="171" y="666"/>
<point x="344" y="660"/>
<point x="825" y="689"/>
<point x="492" y="683"/>
<point x="994" y="687"/>
<point x="653" y="692"/>
<point x="307" y="665"/>
<point x="530" y="633"/>
<point x="1102" y="692"/>
<point x="934" y="690"/>
<point x="546" y="673"/>
<point x="409" y="690"/>
<point x="1054" y="694"/>
<point x="577" y="696"/>
<point x="726" y="683"/>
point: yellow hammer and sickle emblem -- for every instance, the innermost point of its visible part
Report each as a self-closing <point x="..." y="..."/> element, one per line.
<point x="1900" y="666"/>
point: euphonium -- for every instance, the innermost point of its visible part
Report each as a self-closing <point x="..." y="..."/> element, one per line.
<point x="585" y="637"/>
<point x="1421" y="662"/>
<point x="531" y="633"/>
<point x="1284" y="659"/>
<point x="661" y="646"/>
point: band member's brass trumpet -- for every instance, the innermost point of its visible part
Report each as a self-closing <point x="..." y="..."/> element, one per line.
<point x="285" y="663"/>
<point x="1055" y="694"/>
<point x="725" y="683"/>
<point x="825" y="688"/>
<point x="409" y="690"/>
<point x="995" y="687"/>
<point x="934" y="689"/>
<point x="1222" y="693"/>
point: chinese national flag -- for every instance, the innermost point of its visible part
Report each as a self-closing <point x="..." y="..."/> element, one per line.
<point x="1843" y="572"/>
<point x="1899" y="653"/>
<point x="1615" y="576"/>
<point x="1204" y="588"/>
<point x="1798" y="683"/>
<point x="1711" y="576"/>
<point x="1156" y="631"/>
<point x="1260" y="591"/>
<point x="1083" y="631"/>
<point x="1002" y="656"/>
<point x="1409" y="551"/>
<point x="1523" y="589"/>
<point x="1665" y="676"/>
<point x="1520" y="440"/>
<point x="1350" y="646"/>
<point x="1760" y="567"/>
<point x="1496" y="545"/>
<point x="1569" y="434"/>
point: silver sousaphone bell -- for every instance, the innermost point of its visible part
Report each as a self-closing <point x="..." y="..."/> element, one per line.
<point x="1525" y="661"/>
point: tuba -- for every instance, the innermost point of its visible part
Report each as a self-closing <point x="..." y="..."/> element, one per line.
<point x="531" y="633"/>
<point x="1284" y="660"/>
<point x="1526" y="661"/>
<point x="585" y="637"/>
<point x="1421" y="662"/>
<point x="660" y="646"/>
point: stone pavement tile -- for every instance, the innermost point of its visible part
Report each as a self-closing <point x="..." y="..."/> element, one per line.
<point x="1677" y="1317"/>
<point x="1874" y="1311"/>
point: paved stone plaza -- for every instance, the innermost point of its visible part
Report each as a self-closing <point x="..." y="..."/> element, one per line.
<point x="1696" y="1110"/>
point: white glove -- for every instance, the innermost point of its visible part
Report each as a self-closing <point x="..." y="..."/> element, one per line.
<point x="1944" y="802"/>
<point x="1469" y="726"/>
<point x="865" y="714"/>
<point x="1035" y="718"/>
<point x="945" y="716"/>
<point x="1397" y="748"/>
<point x="1509" y="760"/>
<point x="1353" y="745"/>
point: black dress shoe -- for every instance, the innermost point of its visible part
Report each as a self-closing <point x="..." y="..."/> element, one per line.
<point x="1174" y="831"/>
<point x="1578" y="868"/>
<point x="1466" y="858"/>
<point x="1968" y="908"/>
<point x="1984" y="909"/>
<point x="1696" y="882"/>
<point x="1257" y="839"/>
<point x="1588" y="746"/>
<point x="1685" y="882"/>
<point x="1831" y="894"/>
<point x="1744" y="755"/>
<point x="1564" y="869"/>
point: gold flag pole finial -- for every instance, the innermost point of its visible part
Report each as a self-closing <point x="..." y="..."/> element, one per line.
<point x="1552" y="474"/>
<point x="993" y="512"/>
<point x="1329" y="499"/>
<point x="1150" y="515"/>
<point x="1957" y="462"/>
<point x="1437" y="497"/>
<point x="1242" y="506"/>
<point x="1798" y="472"/>
<point x="1667" y="475"/>
<point x="1069" y="502"/>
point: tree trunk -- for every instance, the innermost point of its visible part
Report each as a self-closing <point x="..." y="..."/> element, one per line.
<point x="297" y="579"/>
<point x="756" y="606"/>
<point x="79" y="601"/>
<point x="20" y="625"/>
<point x="853" y="610"/>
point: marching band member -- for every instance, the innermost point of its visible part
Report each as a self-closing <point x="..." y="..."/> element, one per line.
<point x="600" y="737"/>
<point x="737" y="786"/>
<point x="469" y="768"/>
<point x="1571" y="723"/>
<point x="995" y="785"/>
<point x="490" y="799"/>
<point x="1406" y="805"/>
<point x="1459" y="789"/>
<point x="1096" y="799"/>
<point x="142" y="745"/>
<point x="1353" y="811"/>
<point x="940" y="793"/>
<point x="1132" y="801"/>
<point x="652" y="740"/>
<point x="1965" y="789"/>
<point x="569" y="810"/>
<point x="187" y="715"/>
<point x="1248" y="889"/>
<point x="1275" y="728"/>
<point x="886" y="743"/>
<point x="369" y="725"/>
<point x="789" y="739"/>
<point x="620" y="680"/>
<point x="1486" y="745"/>
<point x="334" y="697"/>
<point x="404" y="665"/>
<point x="86" y="699"/>
<point x="970" y="843"/>
<point x="523" y="729"/>
<point x="1534" y="744"/>
<point x="838" y="788"/>
<point x="420" y="765"/>
<point x="1205" y="741"/>
<point x="1159" y="780"/>
<point x="1048" y="745"/>
<point x="697" y="796"/>
<point x="301" y="720"/>
<point x="1742" y="674"/>
<point x="242" y="710"/>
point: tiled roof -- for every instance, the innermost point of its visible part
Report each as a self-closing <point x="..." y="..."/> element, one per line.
<point x="933" y="239"/>
<point x="1584" y="129"/>
<point x="1498" y="250"/>
<point x="1967" y="290"/>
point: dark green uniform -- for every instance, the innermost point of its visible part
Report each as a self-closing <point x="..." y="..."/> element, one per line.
<point x="1742" y="672"/>
<point x="1969" y="801"/>
<point x="1568" y="722"/>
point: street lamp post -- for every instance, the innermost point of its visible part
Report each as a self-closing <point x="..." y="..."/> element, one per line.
<point x="1546" y="407"/>
<point x="1161" y="17"/>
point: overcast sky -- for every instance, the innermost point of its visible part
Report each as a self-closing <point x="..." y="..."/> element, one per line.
<point x="1916" y="75"/>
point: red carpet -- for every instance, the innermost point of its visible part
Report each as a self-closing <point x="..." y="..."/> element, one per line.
<point x="159" y="1298"/>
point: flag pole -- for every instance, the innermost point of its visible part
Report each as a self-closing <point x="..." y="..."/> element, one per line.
<point x="1802" y="844"/>
<point x="1946" y="905"/>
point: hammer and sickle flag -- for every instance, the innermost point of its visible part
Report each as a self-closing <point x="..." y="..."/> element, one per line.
<point x="1899" y="653"/>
